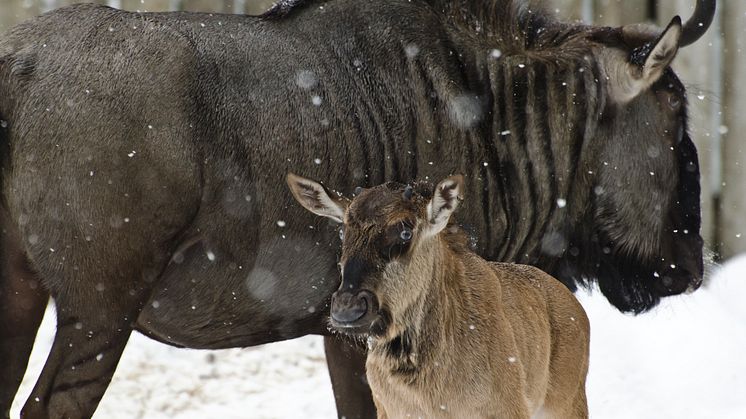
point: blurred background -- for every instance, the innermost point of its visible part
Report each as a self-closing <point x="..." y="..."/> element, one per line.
<point x="711" y="69"/>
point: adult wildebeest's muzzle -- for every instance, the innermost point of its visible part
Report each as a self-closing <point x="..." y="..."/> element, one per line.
<point x="683" y="240"/>
<point x="685" y="275"/>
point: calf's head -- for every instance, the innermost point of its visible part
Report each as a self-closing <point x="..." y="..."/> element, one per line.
<point x="388" y="246"/>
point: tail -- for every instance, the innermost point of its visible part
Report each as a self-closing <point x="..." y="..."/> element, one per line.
<point x="4" y="157"/>
<point x="4" y="123"/>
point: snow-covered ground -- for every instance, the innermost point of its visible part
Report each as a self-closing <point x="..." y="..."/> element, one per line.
<point x="686" y="359"/>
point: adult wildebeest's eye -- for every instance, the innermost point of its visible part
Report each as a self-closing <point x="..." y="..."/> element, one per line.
<point x="406" y="234"/>
<point x="674" y="102"/>
<point x="670" y="99"/>
<point x="341" y="233"/>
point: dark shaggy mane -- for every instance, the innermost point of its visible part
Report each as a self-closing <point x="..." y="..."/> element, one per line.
<point x="513" y="26"/>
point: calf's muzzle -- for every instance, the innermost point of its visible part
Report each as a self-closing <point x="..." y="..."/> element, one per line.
<point x="353" y="309"/>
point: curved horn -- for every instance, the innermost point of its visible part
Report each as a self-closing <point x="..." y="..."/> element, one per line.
<point x="697" y="25"/>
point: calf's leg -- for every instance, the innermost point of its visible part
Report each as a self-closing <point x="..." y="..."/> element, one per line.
<point x="346" y="363"/>
<point x="580" y="406"/>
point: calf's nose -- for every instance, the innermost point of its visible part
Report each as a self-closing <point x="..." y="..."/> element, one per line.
<point x="348" y="307"/>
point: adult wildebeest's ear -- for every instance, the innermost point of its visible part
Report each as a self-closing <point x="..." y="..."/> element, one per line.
<point x="315" y="198"/>
<point x="445" y="199"/>
<point x="647" y="62"/>
<point x="662" y="53"/>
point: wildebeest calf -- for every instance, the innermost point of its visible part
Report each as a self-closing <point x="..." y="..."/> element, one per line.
<point x="450" y="334"/>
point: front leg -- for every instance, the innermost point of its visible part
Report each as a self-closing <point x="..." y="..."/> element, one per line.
<point x="346" y="363"/>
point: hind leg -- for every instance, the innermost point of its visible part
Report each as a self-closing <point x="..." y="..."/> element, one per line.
<point x="22" y="304"/>
<point x="86" y="350"/>
<point x="98" y="292"/>
<point x="98" y="297"/>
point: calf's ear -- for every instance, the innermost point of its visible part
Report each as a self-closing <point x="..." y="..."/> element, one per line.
<point x="445" y="199"/>
<point x="316" y="198"/>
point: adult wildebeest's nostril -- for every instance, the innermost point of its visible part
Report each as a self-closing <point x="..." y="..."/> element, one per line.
<point x="677" y="280"/>
<point x="694" y="285"/>
<point x="348" y="307"/>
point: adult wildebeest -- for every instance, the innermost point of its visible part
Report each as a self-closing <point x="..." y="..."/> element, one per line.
<point x="449" y="334"/>
<point x="144" y="153"/>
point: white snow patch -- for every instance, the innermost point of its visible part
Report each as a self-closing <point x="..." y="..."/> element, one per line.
<point x="682" y="360"/>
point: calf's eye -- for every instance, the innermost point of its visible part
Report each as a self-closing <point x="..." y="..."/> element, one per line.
<point x="406" y="234"/>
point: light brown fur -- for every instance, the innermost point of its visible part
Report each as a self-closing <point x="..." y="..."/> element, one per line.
<point x="488" y="340"/>
<point x="450" y="334"/>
